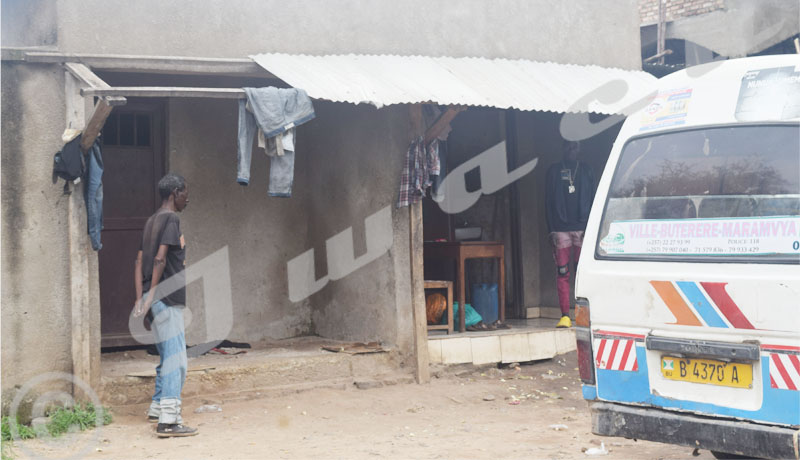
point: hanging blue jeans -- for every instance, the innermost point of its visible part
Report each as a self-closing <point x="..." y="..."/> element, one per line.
<point x="275" y="111"/>
<point x="168" y="329"/>
<point x="93" y="195"/>
<point x="281" y="168"/>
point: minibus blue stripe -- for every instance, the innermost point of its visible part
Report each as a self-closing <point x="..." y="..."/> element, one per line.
<point x="589" y="392"/>
<point x="700" y="303"/>
<point x="634" y="387"/>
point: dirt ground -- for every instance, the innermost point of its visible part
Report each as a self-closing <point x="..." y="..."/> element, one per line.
<point x="489" y="413"/>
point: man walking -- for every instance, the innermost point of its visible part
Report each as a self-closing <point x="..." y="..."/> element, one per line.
<point x="161" y="291"/>
<point x="569" y="192"/>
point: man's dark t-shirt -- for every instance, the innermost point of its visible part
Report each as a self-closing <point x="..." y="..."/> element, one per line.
<point x="164" y="227"/>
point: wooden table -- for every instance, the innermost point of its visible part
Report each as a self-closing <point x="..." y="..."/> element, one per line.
<point x="449" y="311"/>
<point x="460" y="252"/>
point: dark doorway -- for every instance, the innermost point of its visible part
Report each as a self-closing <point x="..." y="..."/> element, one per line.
<point x="133" y="156"/>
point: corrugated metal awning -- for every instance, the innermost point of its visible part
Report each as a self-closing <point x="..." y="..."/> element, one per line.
<point x="501" y="83"/>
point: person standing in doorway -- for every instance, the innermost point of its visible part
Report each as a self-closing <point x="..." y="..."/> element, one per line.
<point x="569" y="192"/>
<point x="160" y="279"/>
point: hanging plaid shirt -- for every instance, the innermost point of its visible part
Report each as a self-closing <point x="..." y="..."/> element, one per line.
<point x="421" y="165"/>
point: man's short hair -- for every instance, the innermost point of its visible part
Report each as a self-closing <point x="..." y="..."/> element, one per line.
<point x="169" y="184"/>
<point x="567" y="145"/>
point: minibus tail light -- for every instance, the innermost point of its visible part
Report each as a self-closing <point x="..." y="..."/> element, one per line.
<point x="583" y="337"/>
<point x="582" y="313"/>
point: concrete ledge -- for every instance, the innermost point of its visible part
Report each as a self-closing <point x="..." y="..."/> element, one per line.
<point x="255" y="378"/>
<point x="502" y="346"/>
<point x="552" y="312"/>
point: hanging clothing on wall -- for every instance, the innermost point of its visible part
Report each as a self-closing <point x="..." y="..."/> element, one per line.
<point x="437" y="191"/>
<point x="272" y="114"/>
<point x="431" y="113"/>
<point x="72" y="165"/>
<point x="93" y="194"/>
<point x="422" y="165"/>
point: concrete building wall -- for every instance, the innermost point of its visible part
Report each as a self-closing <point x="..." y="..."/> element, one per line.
<point x="261" y="232"/>
<point x="36" y="314"/>
<point x="577" y="32"/>
<point x="28" y="23"/>
<point x="354" y="156"/>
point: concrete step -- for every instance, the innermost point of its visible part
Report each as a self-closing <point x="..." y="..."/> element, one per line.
<point x="553" y="312"/>
<point x="528" y="340"/>
<point x="260" y="374"/>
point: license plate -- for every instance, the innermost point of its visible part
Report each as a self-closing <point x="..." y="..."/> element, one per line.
<point x="708" y="371"/>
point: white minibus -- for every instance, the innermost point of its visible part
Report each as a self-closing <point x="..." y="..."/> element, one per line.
<point x="688" y="288"/>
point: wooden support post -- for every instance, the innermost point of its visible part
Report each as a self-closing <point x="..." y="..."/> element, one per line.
<point x="88" y="80"/>
<point x="101" y="112"/>
<point x="415" y="241"/>
<point x="661" y="32"/>
<point x="85" y="336"/>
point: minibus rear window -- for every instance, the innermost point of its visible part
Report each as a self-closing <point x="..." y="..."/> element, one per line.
<point x="722" y="193"/>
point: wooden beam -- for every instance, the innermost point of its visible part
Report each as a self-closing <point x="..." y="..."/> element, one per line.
<point x="101" y="111"/>
<point x="85" y="75"/>
<point x="115" y="100"/>
<point x="659" y="55"/>
<point x="441" y="123"/>
<point x="166" y="91"/>
<point x="91" y="80"/>
<point x="152" y="64"/>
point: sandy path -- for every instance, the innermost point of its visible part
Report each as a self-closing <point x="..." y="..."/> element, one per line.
<point x="448" y="418"/>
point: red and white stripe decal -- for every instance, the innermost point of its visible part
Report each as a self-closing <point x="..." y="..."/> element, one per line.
<point x="784" y="371"/>
<point x="616" y="354"/>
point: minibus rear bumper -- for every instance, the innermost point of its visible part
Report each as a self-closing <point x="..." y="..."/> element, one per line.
<point x="723" y="435"/>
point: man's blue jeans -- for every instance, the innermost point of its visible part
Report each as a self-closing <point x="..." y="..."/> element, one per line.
<point x="168" y="329"/>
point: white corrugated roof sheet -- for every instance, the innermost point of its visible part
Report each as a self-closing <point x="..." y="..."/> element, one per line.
<point x="383" y="80"/>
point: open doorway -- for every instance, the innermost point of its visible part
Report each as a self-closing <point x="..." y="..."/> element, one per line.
<point x="471" y="248"/>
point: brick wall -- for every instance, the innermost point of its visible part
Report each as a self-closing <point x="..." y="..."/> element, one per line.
<point x="648" y="9"/>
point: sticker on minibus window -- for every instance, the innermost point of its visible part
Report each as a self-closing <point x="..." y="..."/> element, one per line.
<point x="669" y="108"/>
<point x="707" y="237"/>
<point x="769" y="94"/>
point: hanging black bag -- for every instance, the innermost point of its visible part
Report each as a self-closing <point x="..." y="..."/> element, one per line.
<point x="69" y="163"/>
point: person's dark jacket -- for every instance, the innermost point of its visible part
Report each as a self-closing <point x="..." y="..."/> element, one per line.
<point x="556" y="198"/>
